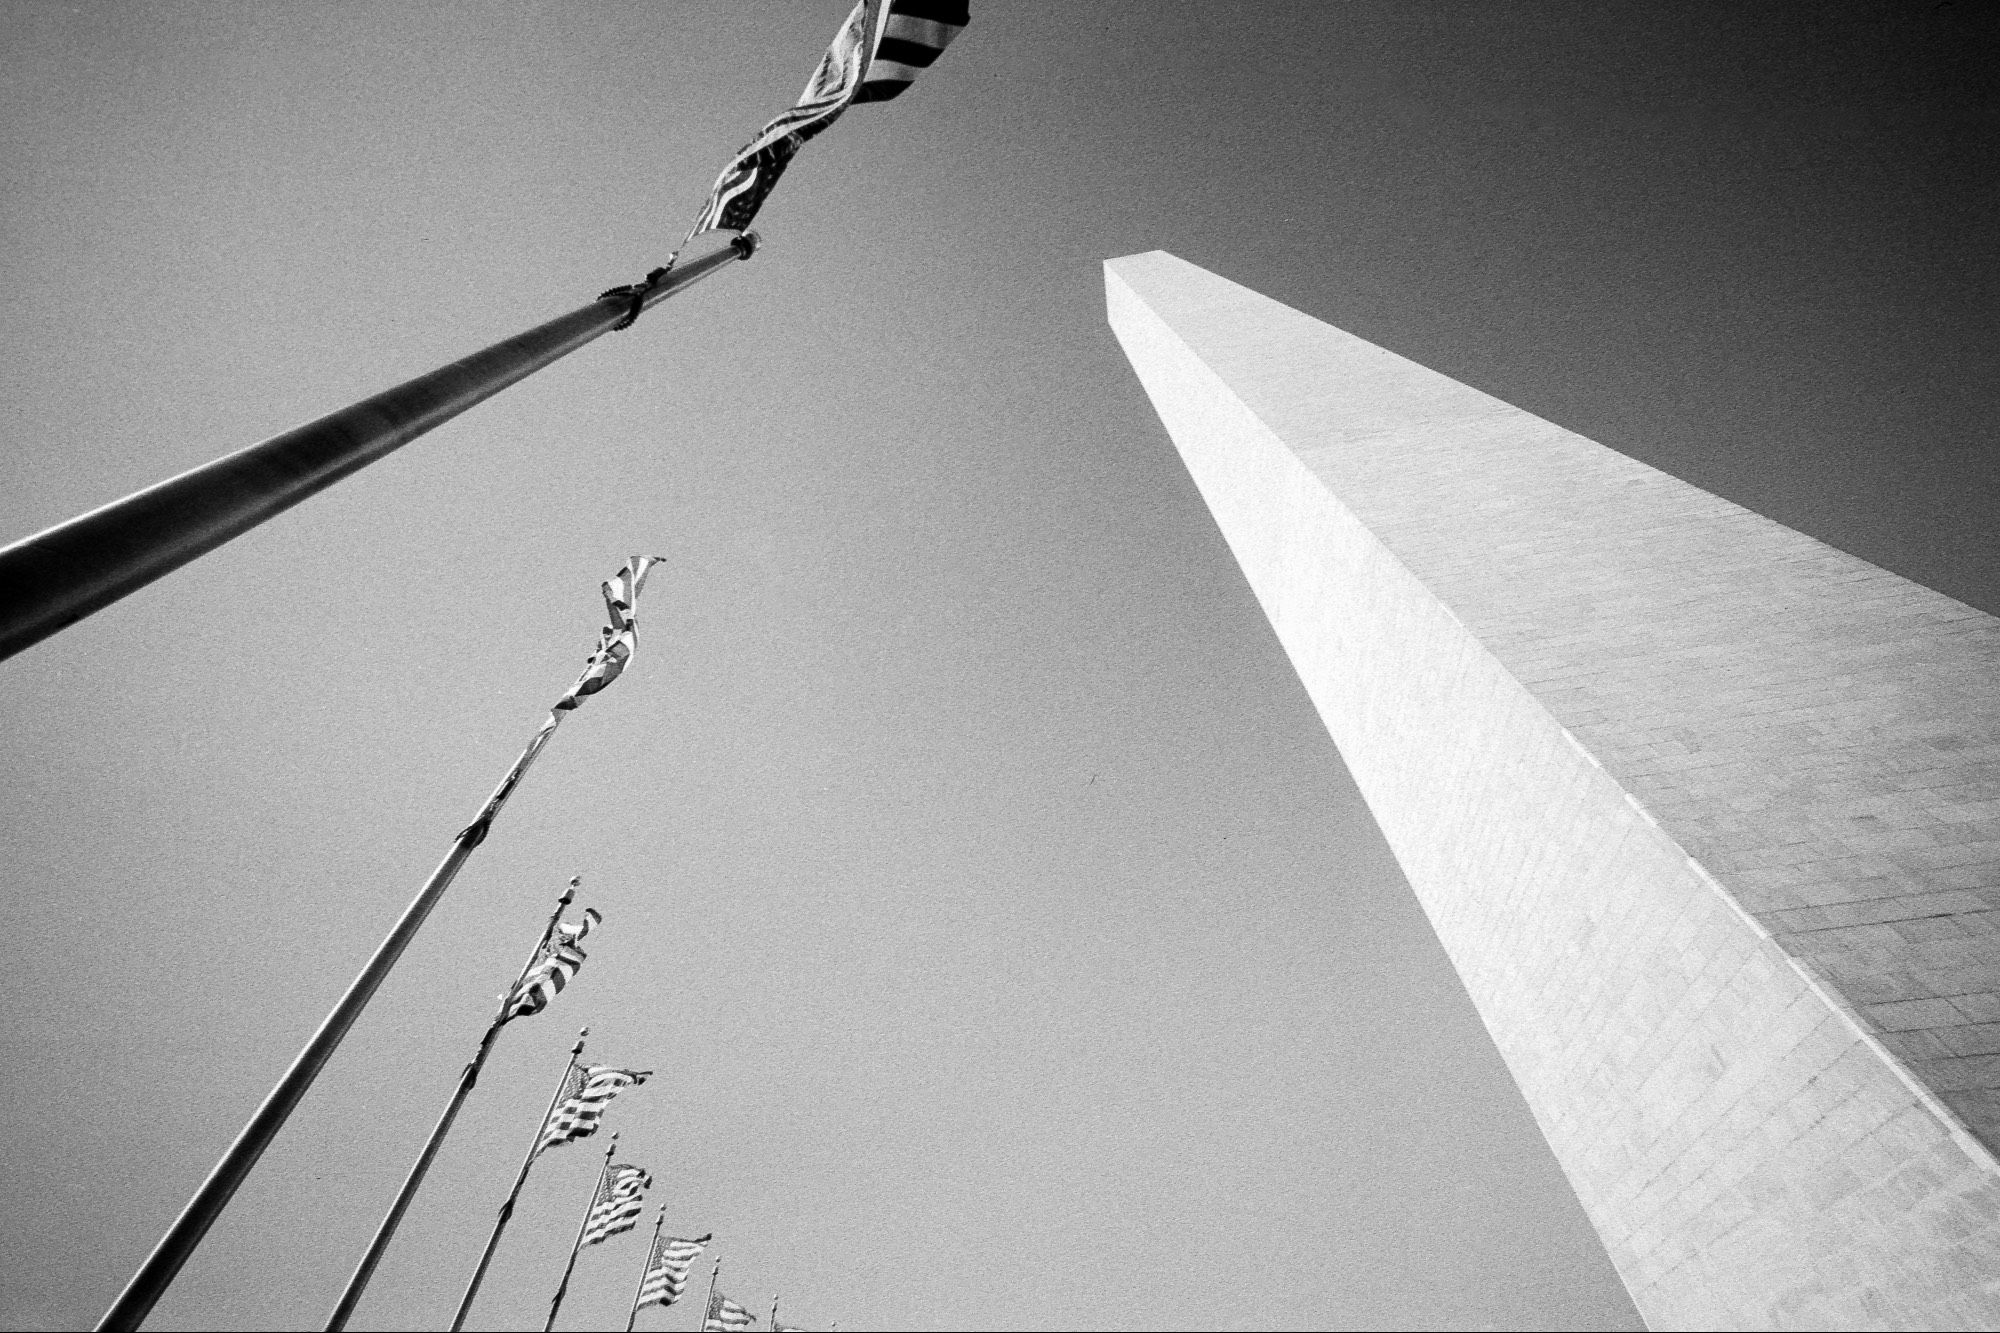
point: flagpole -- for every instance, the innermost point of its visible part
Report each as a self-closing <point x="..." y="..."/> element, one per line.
<point x="645" y="1268"/>
<point x="136" y="1301"/>
<point x="58" y="576"/>
<point x="708" y="1306"/>
<point x="520" y="1177"/>
<point x="774" y="1313"/>
<point x="365" y="1270"/>
<point x="576" y="1246"/>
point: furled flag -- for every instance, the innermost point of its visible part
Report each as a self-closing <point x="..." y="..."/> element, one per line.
<point x="724" y="1313"/>
<point x="588" y="1091"/>
<point x="667" y="1270"/>
<point x="621" y="1192"/>
<point x="561" y="956"/>
<point x="876" y="54"/>
<point x="620" y="638"/>
<point x="615" y="647"/>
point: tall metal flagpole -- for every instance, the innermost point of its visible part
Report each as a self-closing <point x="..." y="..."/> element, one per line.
<point x="576" y="1246"/>
<point x="651" y="1252"/>
<point x="55" y="578"/>
<point x="520" y="1178"/>
<point x="708" y="1306"/>
<point x="365" y="1270"/>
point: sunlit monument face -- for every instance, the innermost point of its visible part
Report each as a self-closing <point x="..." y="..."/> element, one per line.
<point x="1702" y="809"/>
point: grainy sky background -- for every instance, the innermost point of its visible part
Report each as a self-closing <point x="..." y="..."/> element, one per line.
<point x="1010" y="941"/>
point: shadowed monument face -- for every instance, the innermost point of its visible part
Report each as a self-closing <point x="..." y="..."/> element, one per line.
<point x="1704" y="811"/>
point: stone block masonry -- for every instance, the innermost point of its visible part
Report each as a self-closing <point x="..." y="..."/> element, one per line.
<point x="1706" y="813"/>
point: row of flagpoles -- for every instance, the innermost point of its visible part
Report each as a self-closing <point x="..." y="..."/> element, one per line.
<point x="575" y="1111"/>
<point x="583" y="1093"/>
<point x="615" y="647"/>
<point x="57" y="577"/>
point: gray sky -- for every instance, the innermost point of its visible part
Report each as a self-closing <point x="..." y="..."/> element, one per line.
<point x="1012" y="946"/>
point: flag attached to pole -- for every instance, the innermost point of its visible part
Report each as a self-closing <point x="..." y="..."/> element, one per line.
<point x="620" y="1199"/>
<point x="667" y="1270"/>
<point x="615" y="646"/>
<point x="724" y="1313"/>
<point x="620" y="639"/>
<point x="874" y="56"/>
<point x="562" y="956"/>
<point x="581" y="1109"/>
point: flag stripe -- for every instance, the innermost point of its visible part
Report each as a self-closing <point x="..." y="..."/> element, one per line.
<point x="882" y="90"/>
<point x="914" y="54"/>
<point x="953" y="13"/>
<point x="920" y="31"/>
<point x="889" y="71"/>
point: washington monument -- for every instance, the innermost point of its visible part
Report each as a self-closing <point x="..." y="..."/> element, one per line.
<point x="1706" y="813"/>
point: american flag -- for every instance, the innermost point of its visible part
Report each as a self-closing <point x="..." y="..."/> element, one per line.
<point x="875" y="55"/>
<point x="556" y="968"/>
<point x="667" y="1269"/>
<point x="620" y="1199"/>
<point x="620" y="639"/>
<point x="589" y="1090"/>
<point x="724" y="1313"/>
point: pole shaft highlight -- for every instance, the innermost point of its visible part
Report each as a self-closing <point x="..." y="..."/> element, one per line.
<point x="55" y="578"/>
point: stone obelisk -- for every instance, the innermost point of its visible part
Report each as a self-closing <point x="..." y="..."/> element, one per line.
<point x="1705" y="812"/>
